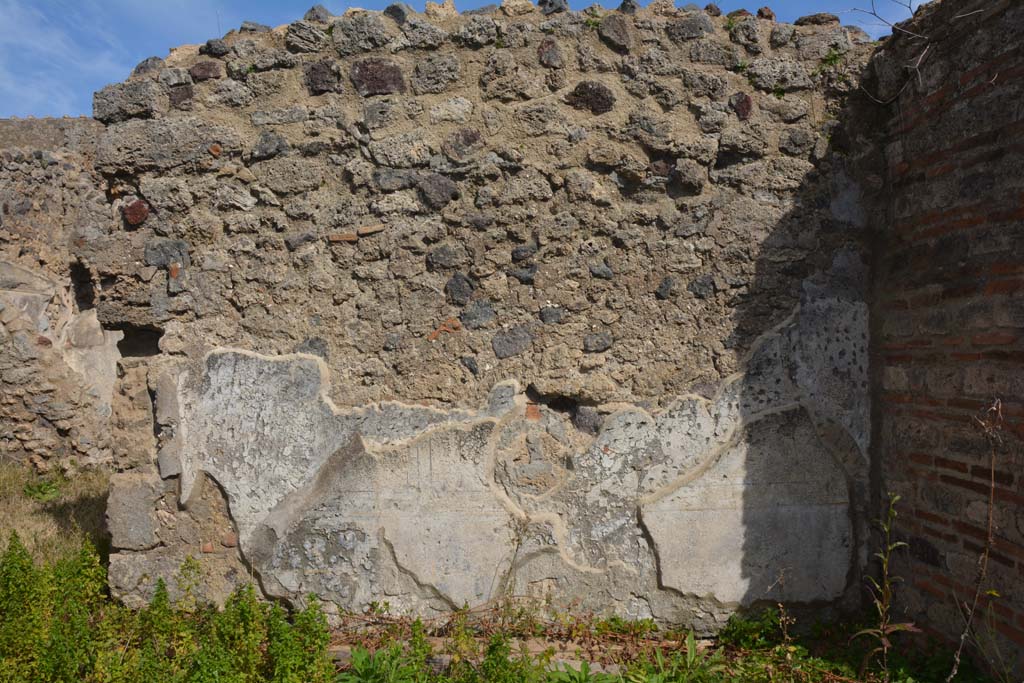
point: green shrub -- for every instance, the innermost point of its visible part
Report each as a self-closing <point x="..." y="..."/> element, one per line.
<point x="57" y="625"/>
<point x="22" y="603"/>
<point x="751" y="633"/>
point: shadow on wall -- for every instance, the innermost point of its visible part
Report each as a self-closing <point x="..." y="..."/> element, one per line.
<point x="801" y="465"/>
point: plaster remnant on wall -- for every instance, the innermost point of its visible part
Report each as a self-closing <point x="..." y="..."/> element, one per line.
<point x="423" y="506"/>
<point x="434" y="308"/>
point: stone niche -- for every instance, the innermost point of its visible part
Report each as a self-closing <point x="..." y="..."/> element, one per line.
<point x="436" y="309"/>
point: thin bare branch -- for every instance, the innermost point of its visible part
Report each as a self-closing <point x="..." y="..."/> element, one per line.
<point x="991" y="425"/>
<point x="894" y="27"/>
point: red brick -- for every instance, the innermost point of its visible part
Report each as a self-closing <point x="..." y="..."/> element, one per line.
<point x="136" y="212"/>
<point x="1009" y="549"/>
<point x="950" y="464"/>
<point x="997" y="287"/>
<point x="920" y="458"/>
<point x="969" y="485"/>
<point x="941" y="417"/>
<point x="969" y="529"/>
<point x="968" y="403"/>
<point x="1016" y="635"/>
<point x="985" y="69"/>
<point x="936" y="533"/>
<point x="929" y="517"/>
<point x="994" y="339"/>
<point x="1006" y="268"/>
<point x="1001" y="477"/>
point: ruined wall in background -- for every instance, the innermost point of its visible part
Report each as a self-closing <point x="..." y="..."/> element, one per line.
<point x="57" y="365"/>
<point x="950" y="310"/>
<point x="436" y="308"/>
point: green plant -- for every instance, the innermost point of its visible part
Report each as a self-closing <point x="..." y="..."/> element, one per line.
<point x="581" y="675"/>
<point x="21" y="629"/>
<point x="753" y="632"/>
<point x="692" y="665"/>
<point x="778" y="91"/>
<point x="832" y="59"/>
<point x="53" y="514"/>
<point x="592" y="22"/>
<point x="384" y="666"/>
<point x="730" y="23"/>
<point x="627" y="627"/>
<point x="187" y="580"/>
<point x="882" y="591"/>
<point x="58" y="625"/>
<point x="43" y="490"/>
<point x="499" y="666"/>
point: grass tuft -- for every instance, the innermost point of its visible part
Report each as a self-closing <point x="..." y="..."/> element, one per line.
<point x="53" y="514"/>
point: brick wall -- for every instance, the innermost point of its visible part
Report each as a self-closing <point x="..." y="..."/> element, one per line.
<point x="949" y="310"/>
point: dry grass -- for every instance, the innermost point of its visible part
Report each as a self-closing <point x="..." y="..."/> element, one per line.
<point x="53" y="514"/>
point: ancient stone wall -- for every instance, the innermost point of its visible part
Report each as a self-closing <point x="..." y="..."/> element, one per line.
<point x="437" y="308"/>
<point x="57" y="365"/>
<point x="949" y="306"/>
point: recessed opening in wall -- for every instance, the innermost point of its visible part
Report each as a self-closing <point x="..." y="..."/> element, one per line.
<point x="558" y="403"/>
<point x="82" y="286"/>
<point x="139" y="340"/>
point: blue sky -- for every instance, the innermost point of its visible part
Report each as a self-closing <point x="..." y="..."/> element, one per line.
<point x="55" y="53"/>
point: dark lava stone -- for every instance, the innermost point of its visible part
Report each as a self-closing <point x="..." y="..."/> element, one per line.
<point x="163" y="252"/>
<point x="549" y="54"/>
<point x="552" y="315"/>
<point x="665" y="288"/>
<point x="820" y="19"/>
<point x="587" y="419"/>
<point x="322" y="77"/>
<point x="376" y="76"/>
<point x="597" y="342"/>
<point x="469" y="362"/>
<point x="215" y="47"/>
<point x="742" y="104"/>
<point x="553" y="6"/>
<point x="313" y="345"/>
<point x="477" y="314"/>
<point x="614" y="31"/>
<point x="459" y="289"/>
<point x="444" y="256"/>
<point x="629" y="6"/>
<point x="269" y="145"/>
<point x="437" y="190"/>
<point x="703" y="287"/>
<point x="511" y="342"/>
<point x="205" y="70"/>
<point x="526" y="274"/>
<point x="602" y="271"/>
<point x="597" y="97"/>
<point x="523" y="251"/>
